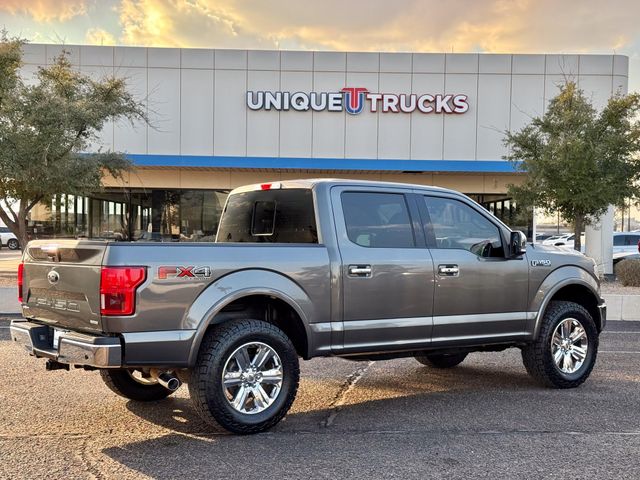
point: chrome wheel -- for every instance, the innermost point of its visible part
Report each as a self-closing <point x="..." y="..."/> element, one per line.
<point x="569" y="345"/>
<point x="252" y="378"/>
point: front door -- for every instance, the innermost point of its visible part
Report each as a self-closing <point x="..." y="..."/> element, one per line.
<point x="387" y="273"/>
<point x="480" y="294"/>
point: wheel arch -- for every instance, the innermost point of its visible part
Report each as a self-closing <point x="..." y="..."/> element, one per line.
<point x="259" y="294"/>
<point x="571" y="284"/>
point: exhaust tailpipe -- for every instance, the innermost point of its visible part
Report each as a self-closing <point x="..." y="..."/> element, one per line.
<point x="167" y="380"/>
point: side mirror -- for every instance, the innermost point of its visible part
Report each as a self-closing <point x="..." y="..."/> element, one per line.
<point x="518" y="243"/>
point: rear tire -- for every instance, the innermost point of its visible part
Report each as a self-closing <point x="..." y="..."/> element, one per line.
<point x="232" y="387"/>
<point x="544" y="359"/>
<point x="441" y="360"/>
<point x="121" y="382"/>
<point x="13" y="244"/>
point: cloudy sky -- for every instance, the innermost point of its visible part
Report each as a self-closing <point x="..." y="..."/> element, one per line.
<point x="499" y="26"/>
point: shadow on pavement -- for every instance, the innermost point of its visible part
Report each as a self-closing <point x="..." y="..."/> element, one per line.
<point x="399" y="422"/>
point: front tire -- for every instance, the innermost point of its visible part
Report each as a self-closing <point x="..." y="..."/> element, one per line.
<point x="126" y="384"/>
<point x="442" y="360"/>
<point x="565" y="351"/>
<point x="246" y="376"/>
<point x="13" y="244"/>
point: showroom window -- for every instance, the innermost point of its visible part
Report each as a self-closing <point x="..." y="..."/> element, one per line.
<point x="131" y="215"/>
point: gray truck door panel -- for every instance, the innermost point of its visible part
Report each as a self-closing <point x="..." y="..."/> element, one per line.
<point x="480" y="294"/>
<point x="387" y="273"/>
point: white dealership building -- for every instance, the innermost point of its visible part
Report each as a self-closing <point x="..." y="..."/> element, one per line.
<point x="224" y="118"/>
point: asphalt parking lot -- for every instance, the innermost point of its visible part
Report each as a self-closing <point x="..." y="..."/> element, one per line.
<point x="391" y="419"/>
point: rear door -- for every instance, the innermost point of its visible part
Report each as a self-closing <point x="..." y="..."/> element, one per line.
<point x="62" y="283"/>
<point x="387" y="273"/>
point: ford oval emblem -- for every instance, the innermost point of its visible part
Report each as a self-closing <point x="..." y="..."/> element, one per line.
<point x="53" y="277"/>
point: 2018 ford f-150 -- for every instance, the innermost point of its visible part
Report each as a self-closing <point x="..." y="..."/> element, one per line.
<point x="308" y="268"/>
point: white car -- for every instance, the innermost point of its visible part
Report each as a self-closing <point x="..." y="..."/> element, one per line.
<point x="8" y="239"/>
<point x="625" y="244"/>
<point x="558" y="239"/>
<point x="567" y="241"/>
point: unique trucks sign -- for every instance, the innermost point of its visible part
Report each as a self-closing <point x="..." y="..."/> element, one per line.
<point x="354" y="99"/>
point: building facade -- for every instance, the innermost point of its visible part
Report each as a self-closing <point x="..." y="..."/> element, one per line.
<point x="223" y="118"/>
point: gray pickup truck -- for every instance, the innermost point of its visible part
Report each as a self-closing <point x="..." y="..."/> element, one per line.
<point x="308" y="268"/>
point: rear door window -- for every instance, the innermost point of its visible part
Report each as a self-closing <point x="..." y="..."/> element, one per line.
<point x="269" y="216"/>
<point x="377" y="220"/>
<point x="632" y="240"/>
<point x="619" y="240"/>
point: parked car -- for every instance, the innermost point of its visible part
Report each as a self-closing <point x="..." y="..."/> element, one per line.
<point x="565" y="241"/>
<point x="308" y="268"/>
<point x="625" y="244"/>
<point x="8" y="239"/>
<point x="541" y="236"/>
<point x="552" y="240"/>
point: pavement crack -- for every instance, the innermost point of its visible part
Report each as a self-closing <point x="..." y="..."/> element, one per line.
<point x="90" y="465"/>
<point x="336" y="405"/>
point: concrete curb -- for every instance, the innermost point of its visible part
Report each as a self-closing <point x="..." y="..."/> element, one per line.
<point x="622" y="307"/>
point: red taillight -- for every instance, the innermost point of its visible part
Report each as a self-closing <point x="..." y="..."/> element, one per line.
<point x="118" y="289"/>
<point x="20" y="280"/>
<point x="265" y="186"/>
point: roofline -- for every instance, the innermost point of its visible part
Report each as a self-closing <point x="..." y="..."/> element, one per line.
<point x="401" y="52"/>
<point x="311" y="183"/>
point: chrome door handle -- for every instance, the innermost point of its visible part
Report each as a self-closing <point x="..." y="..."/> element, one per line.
<point x="448" y="270"/>
<point x="360" y="270"/>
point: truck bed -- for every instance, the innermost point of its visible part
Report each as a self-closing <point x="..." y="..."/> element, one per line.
<point x="176" y="275"/>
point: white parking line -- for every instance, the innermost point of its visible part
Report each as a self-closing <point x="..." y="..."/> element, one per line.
<point x="618" y="351"/>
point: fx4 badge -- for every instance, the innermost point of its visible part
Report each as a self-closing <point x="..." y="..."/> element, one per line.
<point x="540" y="263"/>
<point x="183" y="272"/>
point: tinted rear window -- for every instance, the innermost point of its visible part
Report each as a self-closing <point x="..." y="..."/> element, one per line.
<point x="269" y="216"/>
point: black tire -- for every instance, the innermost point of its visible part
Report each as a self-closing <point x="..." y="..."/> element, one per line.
<point x="122" y="383"/>
<point x="538" y="357"/>
<point x="441" y="360"/>
<point x="206" y="388"/>
<point x="13" y="244"/>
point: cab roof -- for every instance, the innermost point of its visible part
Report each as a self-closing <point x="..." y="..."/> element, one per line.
<point x="312" y="183"/>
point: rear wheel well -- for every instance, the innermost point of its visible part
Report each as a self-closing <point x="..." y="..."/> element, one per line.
<point x="271" y="310"/>
<point x="582" y="296"/>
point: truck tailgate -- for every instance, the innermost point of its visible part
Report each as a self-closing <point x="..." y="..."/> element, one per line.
<point x="61" y="283"/>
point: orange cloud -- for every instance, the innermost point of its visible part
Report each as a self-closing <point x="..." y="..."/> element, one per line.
<point x="414" y="25"/>
<point x="182" y="23"/>
<point x="45" y="10"/>
<point x="99" y="36"/>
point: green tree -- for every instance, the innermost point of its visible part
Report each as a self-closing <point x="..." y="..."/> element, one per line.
<point x="45" y="127"/>
<point x="576" y="160"/>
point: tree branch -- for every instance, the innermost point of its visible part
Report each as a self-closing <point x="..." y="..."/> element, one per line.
<point x="33" y="203"/>
<point x="5" y="218"/>
<point x="72" y="144"/>
<point x="9" y="205"/>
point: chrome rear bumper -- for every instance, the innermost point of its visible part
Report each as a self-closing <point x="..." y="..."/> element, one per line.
<point x="73" y="348"/>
